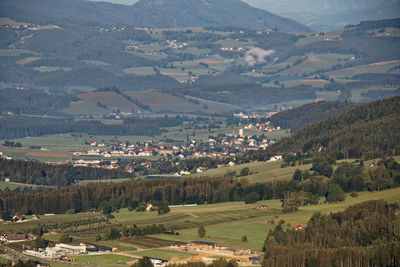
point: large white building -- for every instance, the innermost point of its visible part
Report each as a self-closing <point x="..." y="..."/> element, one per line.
<point x="63" y="249"/>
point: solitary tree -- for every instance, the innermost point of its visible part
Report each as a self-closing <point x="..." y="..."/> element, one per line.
<point x="244" y="171"/>
<point x="244" y="238"/>
<point x="143" y="262"/>
<point x="201" y="231"/>
<point x="65" y="239"/>
<point x="335" y="194"/>
<point x="298" y="175"/>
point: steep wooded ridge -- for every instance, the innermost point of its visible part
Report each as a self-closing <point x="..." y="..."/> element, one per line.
<point x="365" y="234"/>
<point x="368" y="128"/>
<point x="164" y="14"/>
<point x="302" y="116"/>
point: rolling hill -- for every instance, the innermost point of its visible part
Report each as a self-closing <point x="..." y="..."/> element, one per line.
<point x="163" y="14"/>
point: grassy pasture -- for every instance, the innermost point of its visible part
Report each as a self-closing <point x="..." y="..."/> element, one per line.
<point x="230" y="233"/>
<point x="110" y="260"/>
<point x="225" y="223"/>
<point x="15" y="52"/>
<point x="50" y="69"/>
<point x="378" y="67"/>
<point x="163" y="254"/>
<point x="259" y="172"/>
<point x="166" y="102"/>
<point x="313" y="63"/>
<point x="96" y="62"/>
<point x="84" y="107"/>
<point x="12" y="186"/>
<point x="111" y="99"/>
<point x="313" y="37"/>
<point x="140" y="71"/>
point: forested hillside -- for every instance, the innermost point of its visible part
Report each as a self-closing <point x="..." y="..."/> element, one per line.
<point x="366" y="234"/>
<point x="300" y="117"/>
<point x="371" y="128"/>
<point x="23" y="126"/>
<point x="32" y="101"/>
<point x="32" y="172"/>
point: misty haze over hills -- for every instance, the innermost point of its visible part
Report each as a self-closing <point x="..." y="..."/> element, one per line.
<point x="329" y="15"/>
<point x="322" y="14"/>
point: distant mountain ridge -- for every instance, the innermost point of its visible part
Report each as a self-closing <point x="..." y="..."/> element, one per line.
<point x="163" y="14"/>
<point x="330" y="15"/>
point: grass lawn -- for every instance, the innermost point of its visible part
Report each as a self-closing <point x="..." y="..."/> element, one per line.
<point x="85" y="182"/>
<point x="109" y="260"/>
<point x="83" y="107"/>
<point x="163" y="254"/>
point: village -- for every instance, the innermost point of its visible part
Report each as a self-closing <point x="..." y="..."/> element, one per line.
<point x="107" y="155"/>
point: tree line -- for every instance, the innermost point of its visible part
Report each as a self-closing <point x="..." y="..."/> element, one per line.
<point x="22" y="126"/>
<point x="307" y="187"/>
<point x="34" y="172"/>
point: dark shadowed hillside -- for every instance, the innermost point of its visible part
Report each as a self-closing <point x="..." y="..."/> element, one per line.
<point x="369" y="128"/>
<point x="300" y="117"/>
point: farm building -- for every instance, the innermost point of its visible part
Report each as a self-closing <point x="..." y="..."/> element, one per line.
<point x="90" y="247"/>
<point x="158" y="262"/>
<point x="15" y="237"/>
<point x="73" y="249"/>
<point x="204" y="245"/>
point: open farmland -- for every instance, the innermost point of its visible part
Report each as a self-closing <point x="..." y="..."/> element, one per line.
<point x="225" y="223"/>
<point x="230" y="233"/>
<point x="259" y="172"/>
<point x="378" y="67"/>
<point x="111" y="99"/>
<point x="158" y="101"/>
<point x="84" y="107"/>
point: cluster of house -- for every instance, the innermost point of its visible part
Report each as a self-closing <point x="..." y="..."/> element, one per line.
<point x="242" y="255"/>
<point x="238" y="49"/>
<point x="258" y="114"/>
<point x="4" y="156"/>
<point x="213" y="147"/>
<point x="20" y="218"/>
<point x="63" y="251"/>
<point x="266" y="127"/>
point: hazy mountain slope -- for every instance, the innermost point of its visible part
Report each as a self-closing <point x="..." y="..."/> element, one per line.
<point x="300" y="117"/>
<point x="328" y="15"/>
<point x="368" y="128"/>
<point x="163" y="14"/>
